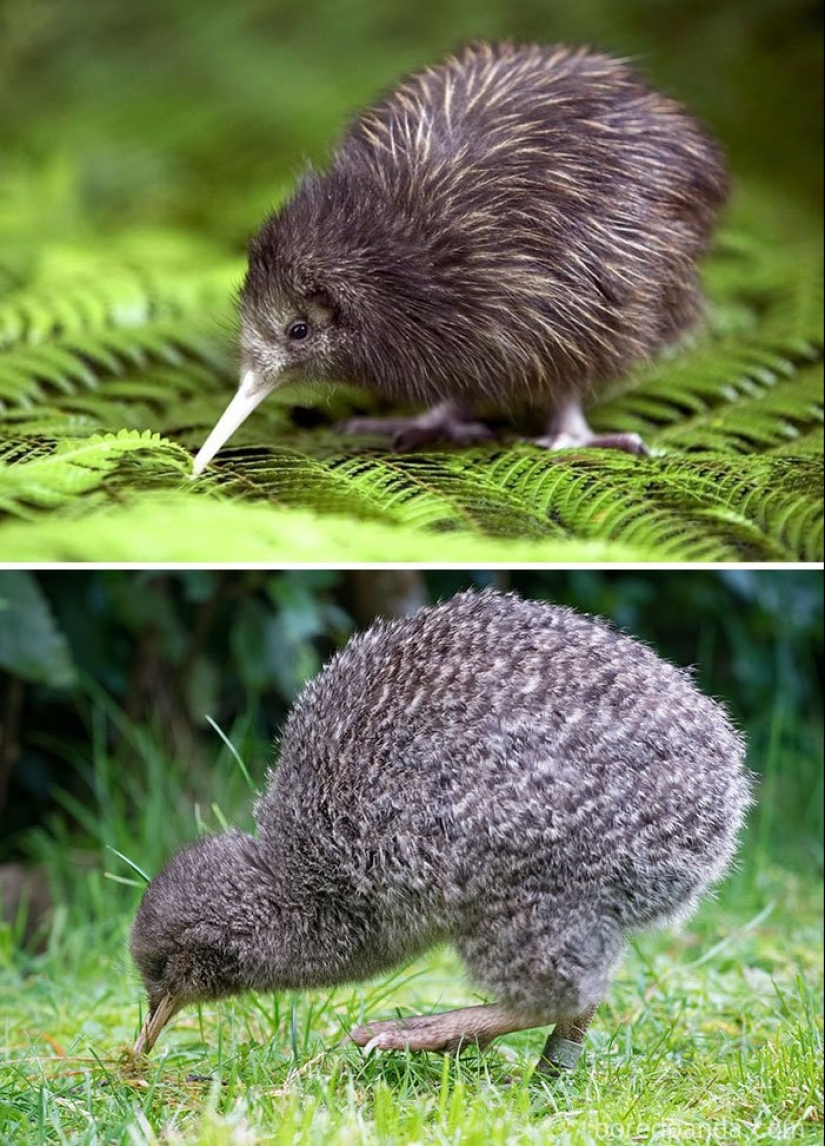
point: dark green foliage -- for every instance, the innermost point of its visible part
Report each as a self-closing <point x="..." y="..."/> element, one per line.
<point x="148" y="656"/>
<point x="121" y="247"/>
<point x="32" y="647"/>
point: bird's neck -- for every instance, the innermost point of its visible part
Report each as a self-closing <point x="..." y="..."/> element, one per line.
<point x="303" y="928"/>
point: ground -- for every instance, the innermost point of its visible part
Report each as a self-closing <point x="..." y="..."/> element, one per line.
<point x="712" y="1035"/>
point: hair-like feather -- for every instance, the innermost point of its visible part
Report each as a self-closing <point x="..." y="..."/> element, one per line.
<point x="516" y="223"/>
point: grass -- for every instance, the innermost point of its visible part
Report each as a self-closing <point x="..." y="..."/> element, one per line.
<point x="712" y="1035"/>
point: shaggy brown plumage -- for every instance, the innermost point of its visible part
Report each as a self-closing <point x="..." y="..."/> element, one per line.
<point x="517" y="224"/>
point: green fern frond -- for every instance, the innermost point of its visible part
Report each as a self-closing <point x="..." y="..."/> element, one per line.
<point x="696" y="509"/>
<point x="48" y="475"/>
<point x="170" y="528"/>
<point x="100" y="295"/>
<point x="716" y="388"/>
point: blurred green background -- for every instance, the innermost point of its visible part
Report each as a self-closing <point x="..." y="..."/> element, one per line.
<point x="200" y="112"/>
<point x="108" y="681"/>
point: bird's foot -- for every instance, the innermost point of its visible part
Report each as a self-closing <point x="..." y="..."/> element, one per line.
<point x="421" y="1033"/>
<point x="446" y="1032"/>
<point x="630" y="443"/>
<point x="444" y="423"/>
<point x="569" y="429"/>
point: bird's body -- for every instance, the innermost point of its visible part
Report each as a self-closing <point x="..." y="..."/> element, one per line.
<point x="517" y="225"/>
<point x="506" y="776"/>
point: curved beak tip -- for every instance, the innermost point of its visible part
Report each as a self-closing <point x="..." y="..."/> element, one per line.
<point x="249" y="395"/>
<point x="155" y="1021"/>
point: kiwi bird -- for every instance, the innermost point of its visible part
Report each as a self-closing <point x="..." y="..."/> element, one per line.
<point x="514" y="227"/>
<point x="502" y="775"/>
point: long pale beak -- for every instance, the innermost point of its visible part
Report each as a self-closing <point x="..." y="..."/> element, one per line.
<point x="154" y="1023"/>
<point x="249" y="396"/>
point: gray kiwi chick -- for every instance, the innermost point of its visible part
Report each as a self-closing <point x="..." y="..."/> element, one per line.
<point x="515" y="226"/>
<point x="506" y="776"/>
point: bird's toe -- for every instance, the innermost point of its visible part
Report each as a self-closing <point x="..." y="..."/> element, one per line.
<point x="629" y="443"/>
<point x="388" y="1035"/>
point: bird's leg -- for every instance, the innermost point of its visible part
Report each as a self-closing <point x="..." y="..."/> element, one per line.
<point x="563" y="1048"/>
<point x="446" y="1032"/>
<point x="568" y="428"/>
<point x="446" y="422"/>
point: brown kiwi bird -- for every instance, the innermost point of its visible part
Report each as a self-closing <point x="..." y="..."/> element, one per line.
<point x="514" y="226"/>
<point x="506" y="776"/>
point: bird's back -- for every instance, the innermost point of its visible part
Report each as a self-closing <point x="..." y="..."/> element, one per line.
<point x="549" y="196"/>
<point x="491" y="741"/>
<point x="565" y="122"/>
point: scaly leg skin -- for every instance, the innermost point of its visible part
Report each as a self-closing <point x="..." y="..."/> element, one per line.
<point x="447" y="422"/>
<point x="563" y="1048"/>
<point x="446" y="1032"/>
<point x="568" y="429"/>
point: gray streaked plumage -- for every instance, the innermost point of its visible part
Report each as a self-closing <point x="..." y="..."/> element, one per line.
<point x="507" y="776"/>
<point x="516" y="224"/>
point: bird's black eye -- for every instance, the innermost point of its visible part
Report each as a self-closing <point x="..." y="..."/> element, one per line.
<point x="297" y="331"/>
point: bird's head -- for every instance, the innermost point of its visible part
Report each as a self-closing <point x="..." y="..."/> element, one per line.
<point x="193" y="934"/>
<point x="339" y="288"/>
<point x="295" y="312"/>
